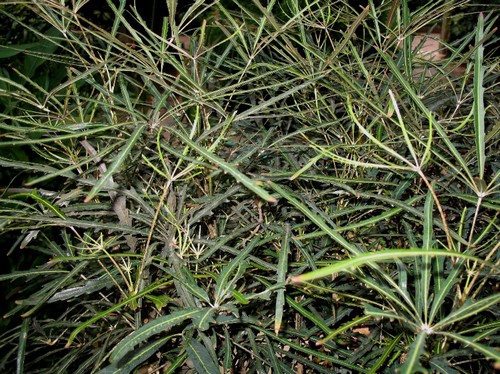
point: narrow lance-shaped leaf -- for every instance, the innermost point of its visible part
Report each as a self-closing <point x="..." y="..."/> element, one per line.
<point x="408" y="39"/>
<point x="304" y="312"/>
<point x="43" y="201"/>
<point x="469" y="309"/>
<point x="378" y="313"/>
<point x="478" y="105"/>
<point x="201" y="357"/>
<point x="284" y="95"/>
<point x="373" y="257"/>
<point x="231" y="273"/>
<point x="114" y="308"/>
<point x="490" y="352"/>
<point x="255" y="349"/>
<point x="316" y="319"/>
<point x="98" y="226"/>
<point x="345" y="327"/>
<point x="317" y="220"/>
<point x="88" y="287"/>
<point x="442" y="286"/>
<point x="390" y="292"/>
<point x="150" y="329"/>
<point x="282" y="271"/>
<point x="241" y="46"/>
<point x="21" y="349"/>
<point x="388" y="149"/>
<point x="137" y="357"/>
<point x="29" y="273"/>
<point x="385" y="355"/>
<point x="189" y="283"/>
<point x="239" y="176"/>
<point x="228" y="354"/>
<point x="408" y="88"/>
<point x="203" y="319"/>
<point x="57" y="284"/>
<point x="403" y="128"/>
<point x="117" y="22"/>
<point x="348" y="35"/>
<point x="117" y="163"/>
<point x="424" y="273"/>
<point x="54" y="139"/>
<point x="271" y="354"/>
<point x="341" y="363"/>
<point x="417" y="349"/>
<point x="7" y="51"/>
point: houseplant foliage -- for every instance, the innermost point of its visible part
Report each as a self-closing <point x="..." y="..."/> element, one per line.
<point x="295" y="189"/>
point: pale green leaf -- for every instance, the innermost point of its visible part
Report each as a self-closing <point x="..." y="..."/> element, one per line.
<point x="364" y="259"/>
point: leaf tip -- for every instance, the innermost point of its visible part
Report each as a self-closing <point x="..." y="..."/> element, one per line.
<point x="272" y="200"/>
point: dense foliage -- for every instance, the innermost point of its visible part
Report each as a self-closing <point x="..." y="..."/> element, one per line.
<point x="284" y="186"/>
